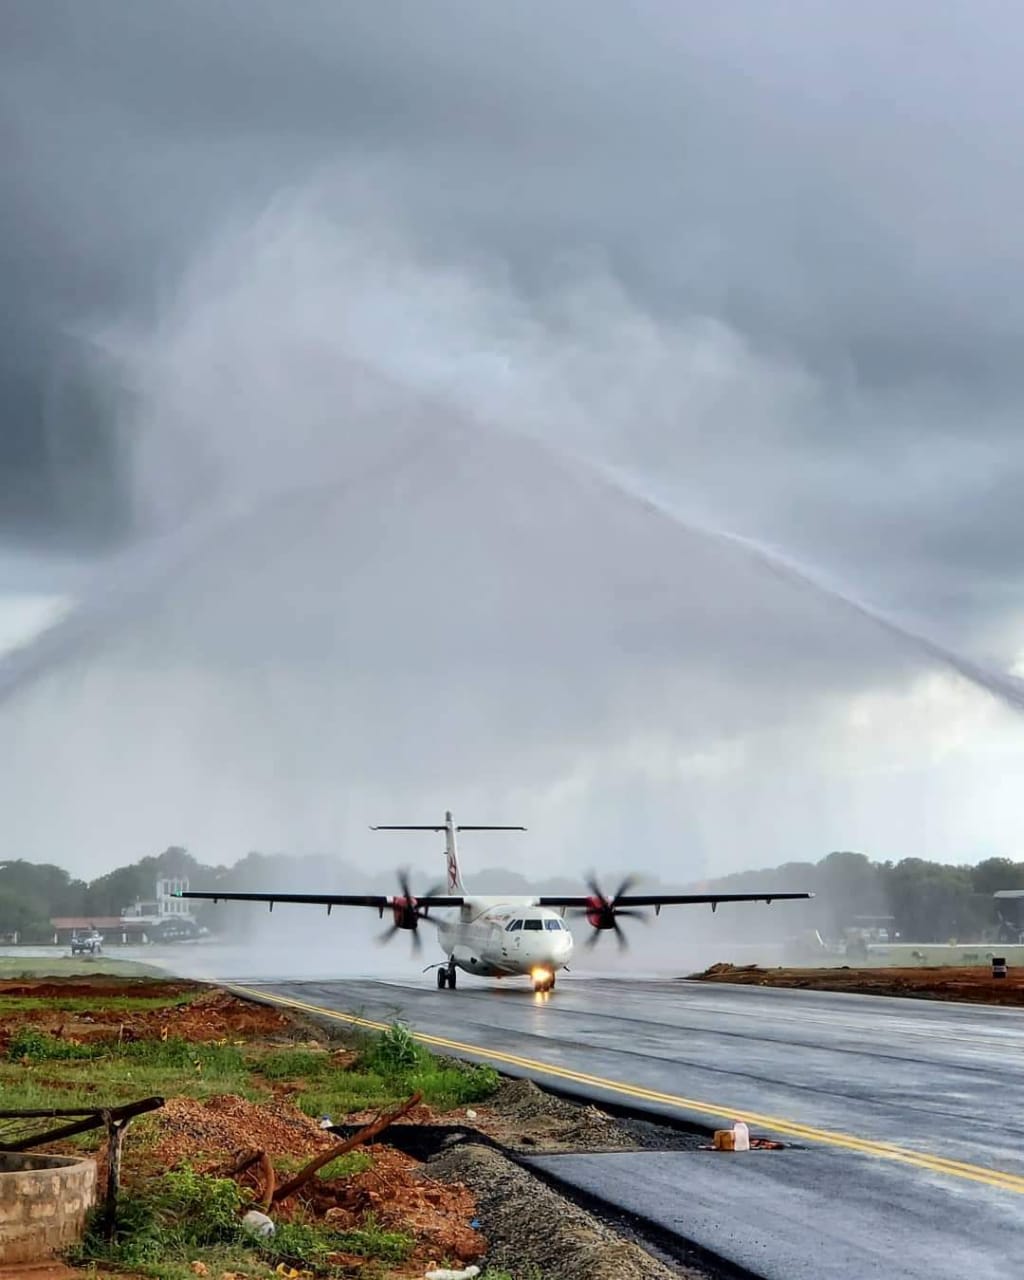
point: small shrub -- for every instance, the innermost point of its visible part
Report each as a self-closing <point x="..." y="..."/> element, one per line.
<point x="294" y="1064"/>
<point x="198" y="1209"/>
<point x="179" y="1213"/>
<point x="394" y="1052"/>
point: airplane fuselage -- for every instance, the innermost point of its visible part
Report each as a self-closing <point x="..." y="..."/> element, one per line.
<point x="505" y="937"/>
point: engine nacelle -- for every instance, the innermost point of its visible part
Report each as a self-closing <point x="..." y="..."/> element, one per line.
<point x="600" y="915"/>
<point x="405" y="913"/>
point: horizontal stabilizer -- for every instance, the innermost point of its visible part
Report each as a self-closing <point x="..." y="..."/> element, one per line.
<point x="460" y="828"/>
<point x="442" y="827"/>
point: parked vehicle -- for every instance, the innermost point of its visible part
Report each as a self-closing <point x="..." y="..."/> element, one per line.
<point x="87" y="943"/>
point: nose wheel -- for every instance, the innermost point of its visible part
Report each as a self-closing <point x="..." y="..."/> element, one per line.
<point x="446" y="976"/>
<point x="546" y="984"/>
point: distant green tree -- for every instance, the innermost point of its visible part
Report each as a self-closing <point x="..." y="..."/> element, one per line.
<point x="997" y="873"/>
<point x="24" y="913"/>
<point x="45" y="883"/>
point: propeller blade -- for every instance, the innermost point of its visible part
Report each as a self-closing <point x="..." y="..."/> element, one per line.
<point x="620" y="937"/>
<point x="596" y="890"/>
<point x="624" y="887"/>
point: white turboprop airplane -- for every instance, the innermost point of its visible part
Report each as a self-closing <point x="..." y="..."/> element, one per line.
<point x="497" y="937"/>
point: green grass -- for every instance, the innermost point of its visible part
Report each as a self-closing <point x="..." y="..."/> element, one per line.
<point x="29" y="967"/>
<point x="41" y="1071"/>
<point x="93" y="1004"/>
<point x="346" y="1166"/>
<point x="391" y="1066"/>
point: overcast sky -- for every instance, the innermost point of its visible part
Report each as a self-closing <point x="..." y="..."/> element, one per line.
<point x="343" y="345"/>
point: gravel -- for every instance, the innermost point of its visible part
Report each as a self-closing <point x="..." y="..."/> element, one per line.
<point x="528" y="1225"/>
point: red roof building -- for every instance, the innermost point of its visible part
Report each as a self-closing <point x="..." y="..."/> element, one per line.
<point x="113" y="928"/>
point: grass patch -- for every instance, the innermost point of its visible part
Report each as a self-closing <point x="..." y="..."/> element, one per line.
<point x="442" y="1087"/>
<point x="295" y="1064"/>
<point x="42" y="1071"/>
<point x="346" y="1166"/>
<point x="28" y="1044"/>
<point x="163" y="1227"/>
<point x="63" y="967"/>
<point x="95" y="1003"/>
<point x="391" y="1066"/>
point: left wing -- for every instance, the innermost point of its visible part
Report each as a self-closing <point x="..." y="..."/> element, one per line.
<point x="659" y="900"/>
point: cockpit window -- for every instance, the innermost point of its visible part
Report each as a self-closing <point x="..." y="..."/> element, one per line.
<point x="516" y="924"/>
<point x="533" y="924"/>
<point x="552" y="924"/>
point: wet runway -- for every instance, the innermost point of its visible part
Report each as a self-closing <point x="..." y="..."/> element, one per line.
<point x="904" y="1118"/>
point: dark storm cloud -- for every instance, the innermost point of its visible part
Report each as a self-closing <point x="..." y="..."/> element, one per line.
<point x="762" y="260"/>
<point x="836" y="184"/>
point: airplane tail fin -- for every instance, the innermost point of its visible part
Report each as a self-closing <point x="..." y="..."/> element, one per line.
<point x="451" y="849"/>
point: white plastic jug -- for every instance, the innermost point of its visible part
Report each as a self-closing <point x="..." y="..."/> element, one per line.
<point x="740" y="1137"/>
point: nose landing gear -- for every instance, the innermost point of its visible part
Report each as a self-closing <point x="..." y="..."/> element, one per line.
<point x="446" y="976"/>
<point x="543" y="980"/>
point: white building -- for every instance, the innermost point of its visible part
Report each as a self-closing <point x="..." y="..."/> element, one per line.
<point x="165" y="915"/>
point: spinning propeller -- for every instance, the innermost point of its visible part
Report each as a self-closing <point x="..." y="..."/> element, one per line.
<point x="408" y="913"/>
<point x="603" y="913"/>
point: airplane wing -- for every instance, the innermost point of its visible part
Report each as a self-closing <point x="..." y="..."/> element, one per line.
<point x="379" y="900"/>
<point x="666" y="899"/>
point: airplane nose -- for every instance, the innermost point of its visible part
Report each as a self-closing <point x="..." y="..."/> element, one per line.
<point x="556" y="946"/>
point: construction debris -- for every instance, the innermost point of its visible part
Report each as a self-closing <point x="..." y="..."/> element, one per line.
<point x="258" y="1224"/>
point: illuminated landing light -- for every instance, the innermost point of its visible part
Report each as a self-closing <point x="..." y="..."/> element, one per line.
<point x="543" y="979"/>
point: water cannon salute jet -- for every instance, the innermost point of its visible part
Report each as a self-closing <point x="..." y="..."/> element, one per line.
<point x="498" y="937"/>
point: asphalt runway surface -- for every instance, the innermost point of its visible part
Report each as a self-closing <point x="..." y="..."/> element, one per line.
<point x="903" y="1119"/>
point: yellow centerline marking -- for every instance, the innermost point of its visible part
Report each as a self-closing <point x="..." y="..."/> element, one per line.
<point x="791" y="1128"/>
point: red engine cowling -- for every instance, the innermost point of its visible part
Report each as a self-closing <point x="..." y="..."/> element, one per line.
<point x="405" y="913"/>
<point x="600" y="914"/>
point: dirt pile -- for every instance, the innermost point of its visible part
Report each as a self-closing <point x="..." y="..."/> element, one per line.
<point x="401" y="1198"/>
<point x="974" y="984"/>
<point x="211" y="1016"/>
<point x="102" y="987"/>
<point x="205" y="1134"/>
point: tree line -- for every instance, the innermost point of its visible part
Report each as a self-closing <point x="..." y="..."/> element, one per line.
<point x="927" y="901"/>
